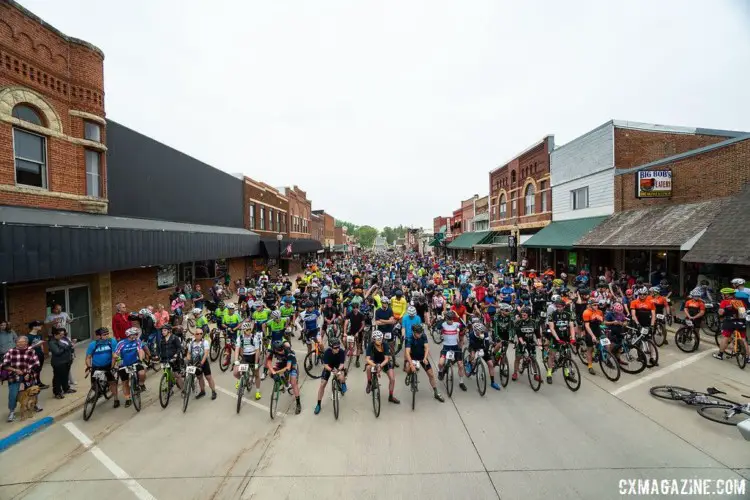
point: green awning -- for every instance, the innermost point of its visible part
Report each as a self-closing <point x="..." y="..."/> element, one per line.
<point x="563" y="234"/>
<point x="466" y="241"/>
<point x="435" y="242"/>
<point x="442" y="229"/>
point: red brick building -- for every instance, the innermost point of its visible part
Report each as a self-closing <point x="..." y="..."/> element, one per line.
<point x="300" y="209"/>
<point x="266" y="214"/>
<point x="329" y="225"/>
<point x="438" y="223"/>
<point x="456" y="224"/>
<point x="338" y="236"/>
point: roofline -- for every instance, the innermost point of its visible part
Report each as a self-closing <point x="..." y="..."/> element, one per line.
<point x="26" y="12"/>
<point x="686" y="154"/>
<point x="605" y="124"/>
<point x="537" y="143"/>
<point x="676" y="129"/>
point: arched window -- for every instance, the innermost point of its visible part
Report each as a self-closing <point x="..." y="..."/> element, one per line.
<point x="529" y="195"/>
<point x="27" y="114"/>
<point x="503" y="206"/>
<point x="29" y="149"/>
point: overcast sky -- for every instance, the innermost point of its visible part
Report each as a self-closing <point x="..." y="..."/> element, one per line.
<point x="390" y="112"/>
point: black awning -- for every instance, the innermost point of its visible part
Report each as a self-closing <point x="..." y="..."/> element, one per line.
<point x="44" y="244"/>
<point x="270" y="247"/>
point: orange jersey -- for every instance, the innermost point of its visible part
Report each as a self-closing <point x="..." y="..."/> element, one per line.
<point x="593" y="315"/>
<point x="659" y="301"/>
<point x="642" y="304"/>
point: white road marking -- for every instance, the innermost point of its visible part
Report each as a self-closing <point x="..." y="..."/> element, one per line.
<point x="248" y="401"/>
<point x="657" y="374"/>
<point x="139" y="491"/>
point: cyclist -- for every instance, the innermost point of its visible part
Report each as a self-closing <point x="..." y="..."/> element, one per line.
<point x="286" y="362"/>
<point x="593" y="318"/>
<point x="451" y="343"/>
<point x="399" y="305"/>
<point x="201" y="323"/>
<point x="197" y="355"/>
<point x="560" y="324"/>
<point x="479" y="339"/>
<point x="100" y="357"/>
<point x="170" y="349"/>
<point x="695" y="308"/>
<point x="408" y="322"/>
<point x="232" y="321"/>
<point x="525" y="328"/>
<point x="287" y="310"/>
<point x="311" y="331"/>
<point x="438" y="305"/>
<point x="247" y="352"/>
<point x="260" y="316"/>
<point x="129" y="352"/>
<point x="355" y="325"/>
<point x="384" y="320"/>
<point x="740" y="292"/>
<point x="330" y="315"/>
<point x="333" y="360"/>
<point x="378" y="354"/>
<point x="660" y="302"/>
<point x="276" y="327"/>
<point x="417" y="350"/>
<point x="731" y="311"/>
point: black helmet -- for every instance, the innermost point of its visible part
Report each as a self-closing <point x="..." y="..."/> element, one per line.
<point x="308" y="304"/>
<point x="334" y="343"/>
<point x="525" y="310"/>
<point x="132" y="317"/>
<point x="664" y="282"/>
<point x="399" y="293"/>
<point x="278" y="345"/>
<point x="417" y="328"/>
<point x="166" y="326"/>
<point x="102" y="331"/>
<point x="584" y="291"/>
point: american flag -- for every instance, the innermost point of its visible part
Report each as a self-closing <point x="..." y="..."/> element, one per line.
<point x="288" y="249"/>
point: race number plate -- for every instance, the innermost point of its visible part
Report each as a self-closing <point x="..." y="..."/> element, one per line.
<point x="542" y="314"/>
<point x="387" y="336"/>
<point x="644" y="330"/>
<point x="350" y="338"/>
<point x="416" y="364"/>
<point x="604" y="342"/>
<point x="688" y="322"/>
<point x="191" y="370"/>
<point x="244" y="367"/>
<point x="480" y="352"/>
<point x="450" y="355"/>
<point x="374" y="369"/>
<point x="660" y="316"/>
<point x="164" y="366"/>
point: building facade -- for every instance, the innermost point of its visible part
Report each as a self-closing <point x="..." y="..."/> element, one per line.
<point x="329" y="225"/>
<point x="467" y="214"/>
<point x="300" y="210"/>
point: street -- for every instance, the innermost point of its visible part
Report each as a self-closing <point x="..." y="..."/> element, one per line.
<point x="511" y="444"/>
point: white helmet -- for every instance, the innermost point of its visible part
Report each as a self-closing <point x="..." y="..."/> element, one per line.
<point x="133" y="331"/>
<point x="738" y="282"/>
<point x="377" y="335"/>
<point x="411" y="311"/>
<point x="197" y="311"/>
<point x="696" y="294"/>
<point x="275" y="314"/>
<point x="555" y="298"/>
<point x="231" y="305"/>
<point x="385" y="300"/>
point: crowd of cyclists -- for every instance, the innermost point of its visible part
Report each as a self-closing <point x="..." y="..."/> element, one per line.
<point x="367" y="309"/>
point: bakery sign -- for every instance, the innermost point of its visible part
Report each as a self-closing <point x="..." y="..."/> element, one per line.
<point x="653" y="183"/>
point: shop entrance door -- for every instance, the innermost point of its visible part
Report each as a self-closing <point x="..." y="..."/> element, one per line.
<point x="75" y="301"/>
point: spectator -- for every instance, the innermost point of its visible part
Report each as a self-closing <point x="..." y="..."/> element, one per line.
<point x="120" y="321"/>
<point x="20" y="361"/>
<point x="7" y="338"/>
<point x="162" y="316"/>
<point x="198" y="298"/>
<point x="178" y="305"/>
<point x="61" y="349"/>
<point x="58" y="318"/>
<point x="36" y="339"/>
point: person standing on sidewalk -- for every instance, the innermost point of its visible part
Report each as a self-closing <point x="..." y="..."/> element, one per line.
<point x="36" y="339"/>
<point x="120" y="322"/>
<point x="61" y="349"/>
<point x="20" y="361"/>
<point x="7" y="338"/>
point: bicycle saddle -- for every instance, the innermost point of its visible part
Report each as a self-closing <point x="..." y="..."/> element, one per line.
<point x="713" y="391"/>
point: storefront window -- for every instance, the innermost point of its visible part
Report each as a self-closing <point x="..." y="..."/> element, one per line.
<point x="166" y="277"/>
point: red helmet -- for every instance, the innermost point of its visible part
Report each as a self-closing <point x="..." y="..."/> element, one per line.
<point x="629" y="292"/>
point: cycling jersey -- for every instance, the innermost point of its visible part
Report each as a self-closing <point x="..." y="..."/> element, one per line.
<point x="384" y="314"/>
<point x="310" y="319"/>
<point x="356" y="321"/>
<point x="101" y="352"/>
<point x="695" y="306"/>
<point x="417" y="346"/>
<point x="128" y="351"/>
<point x="561" y="320"/>
<point x="660" y="302"/>
<point x="170" y="347"/>
<point x="231" y="320"/>
<point x="261" y="317"/>
<point x="399" y="307"/>
<point x="277" y="329"/>
<point x="642" y="310"/>
<point x="594" y="318"/>
<point x="450" y="333"/>
<point x="525" y="328"/>
<point x="248" y="343"/>
<point x="408" y="323"/>
<point x="378" y="354"/>
<point x="196" y="350"/>
<point x="287" y="311"/>
<point x="506" y="292"/>
<point x="202" y="323"/>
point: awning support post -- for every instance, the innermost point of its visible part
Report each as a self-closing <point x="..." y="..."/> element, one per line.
<point x="649" y="266"/>
<point x="682" y="275"/>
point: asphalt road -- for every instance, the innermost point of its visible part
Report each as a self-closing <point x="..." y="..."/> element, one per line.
<point x="511" y="444"/>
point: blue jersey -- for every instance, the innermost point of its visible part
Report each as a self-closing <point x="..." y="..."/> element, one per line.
<point x="507" y="291"/>
<point x="101" y="352"/>
<point x="128" y="351"/>
<point x="743" y="295"/>
<point x="311" y="320"/>
<point x="491" y="301"/>
<point x="408" y="322"/>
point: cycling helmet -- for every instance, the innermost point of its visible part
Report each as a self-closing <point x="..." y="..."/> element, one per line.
<point x="102" y="331"/>
<point x="132" y="331"/>
<point x="399" y="293"/>
<point x="231" y="305"/>
<point x="450" y="315"/>
<point x="643" y="291"/>
<point x="377" y="335"/>
<point x="132" y="317"/>
<point x="602" y="302"/>
<point x="505" y="307"/>
<point x="197" y="311"/>
<point x="221" y="304"/>
<point x="559" y="302"/>
<point x="727" y="291"/>
<point x="334" y="343"/>
<point x="411" y="311"/>
<point x="557" y="282"/>
<point x="182" y="297"/>
<point x="275" y="315"/>
<point x="664" y="282"/>
<point x="617" y="307"/>
<point x="385" y="300"/>
<point x="654" y="289"/>
<point x="601" y="284"/>
<point x="525" y="310"/>
<point x="738" y="282"/>
<point x="165" y="326"/>
<point x="555" y="298"/>
<point x="278" y="345"/>
<point x="258" y="305"/>
<point x="417" y="328"/>
<point x="563" y="276"/>
<point x="602" y="281"/>
<point x="479" y="329"/>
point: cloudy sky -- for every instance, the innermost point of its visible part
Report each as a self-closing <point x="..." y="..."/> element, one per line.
<point x="391" y="111"/>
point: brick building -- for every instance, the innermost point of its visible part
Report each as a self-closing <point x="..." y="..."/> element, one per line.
<point x="316" y="225"/>
<point x="266" y="213"/>
<point x="329" y="225"/>
<point x="300" y="209"/>
<point x="456" y="226"/>
<point x="338" y="236"/>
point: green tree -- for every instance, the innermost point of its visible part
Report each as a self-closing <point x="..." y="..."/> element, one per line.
<point x="389" y="234"/>
<point x="351" y="228"/>
<point x="366" y="235"/>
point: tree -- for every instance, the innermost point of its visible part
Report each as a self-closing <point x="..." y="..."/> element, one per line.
<point x="351" y="228"/>
<point x="388" y="234"/>
<point x="366" y="235"/>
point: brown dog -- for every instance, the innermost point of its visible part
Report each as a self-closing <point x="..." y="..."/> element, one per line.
<point x="27" y="401"/>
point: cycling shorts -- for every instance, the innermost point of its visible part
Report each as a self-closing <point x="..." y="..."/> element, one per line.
<point x="124" y="374"/>
<point x="454" y="348"/>
<point x="107" y="371"/>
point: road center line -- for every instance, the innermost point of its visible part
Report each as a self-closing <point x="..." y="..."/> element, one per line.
<point x="665" y="371"/>
<point x="248" y="401"/>
<point x="133" y="485"/>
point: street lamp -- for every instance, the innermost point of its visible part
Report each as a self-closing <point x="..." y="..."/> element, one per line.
<point x="279" y="237"/>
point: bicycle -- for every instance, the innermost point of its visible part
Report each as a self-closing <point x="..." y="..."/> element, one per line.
<point x="314" y="359"/>
<point x="606" y="360"/>
<point x="191" y="372"/>
<point x="477" y="369"/>
<point x="437" y="330"/>
<point x="225" y="360"/>
<point x="630" y="356"/>
<point x="660" y="330"/>
<point x="375" y="390"/>
<point x="215" y="342"/>
<point x="529" y="361"/>
<point x="687" y="337"/>
<point x="738" y="350"/>
<point x="166" y="384"/>
<point x="336" y="393"/>
<point x="689" y="396"/>
<point x="245" y="382"/>
<point x="571" y="374"/>
<point x="99" y="387"/>
<point x="450" y="360"/>
<point x="135" y="386"/>
<point x="279" y="386"/>
<point x="641" y="336"/>
<point x="394" y="339"/>
<point x="727" y="414"/>
<point x="501" y="361"/>
<point x="413" y="382"/>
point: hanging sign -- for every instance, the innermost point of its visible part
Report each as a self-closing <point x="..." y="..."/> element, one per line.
<point x="653" y="183"/>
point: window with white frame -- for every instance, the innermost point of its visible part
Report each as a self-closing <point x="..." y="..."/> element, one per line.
<point x="252" y="216"/>
<point x="503" y="206"/>
<point x="542" y="186"/>
<point x="270" y="219"/>
<point x="93" y="174"/>
<point x="579" y="198"/>
<point x="29" y="150"/>
<point x="278" y="222"/>
<point x="262" y="218"/>
<point x="92" y="131"/>
<point x="514" y="207"/>
<point x="529" y="196"/>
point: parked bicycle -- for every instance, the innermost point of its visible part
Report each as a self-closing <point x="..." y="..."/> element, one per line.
<point x="687" y="336"/>
<point x="99" y="388"/>
<point x="166" y="384"/>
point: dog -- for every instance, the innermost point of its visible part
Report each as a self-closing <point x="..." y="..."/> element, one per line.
<point x="27" y="401"/>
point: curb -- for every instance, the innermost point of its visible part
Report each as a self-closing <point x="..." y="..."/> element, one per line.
<point x="25" y="432"/>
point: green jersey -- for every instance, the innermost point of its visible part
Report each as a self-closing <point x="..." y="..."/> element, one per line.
<point x="202" y="323"/>
<point x="231" y="320"/>
<point x="277" y="326"/>
<point x="286" y="310"/>
<point x="261" y="317"/>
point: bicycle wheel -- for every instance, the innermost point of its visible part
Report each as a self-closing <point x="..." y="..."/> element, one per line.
<point x="504" y="369"/>
<point x="535" y="377"/>
<point x="335" y="390"/>
<point x="107" y="392"/>
<point x="135" y="392"/>
<point x="91" y="398"/>
<point x="437" y="335"/>
<point x="449" y="379"/>
<point x="660" y="334"/>
<point x="652" y="353"/>
<point x="712" y="323"/>
<point x="375" y="391"/>
<point x="226" y="359"/>
<point x="687" y="339"/>
<point x="609" y="365"/>
<point x="188" y="391"/>
<point x="275" y="398"/>
<point x="215" y="349"/>
<point x="413" y="390"/>
<point x="741" y="356"/>
<point x="633" y="358"/>
<point x="481" y="370"/>
<point x="671" y="392"/>
<point x="311" y="365"/>
<point x="165" y="390"/>
<point x="573" y="377"/>
<point x="399" y="345"/>
<point x="723" y="414"/>
<point x="240" y="393"/>
<point x="582" y="350"/>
